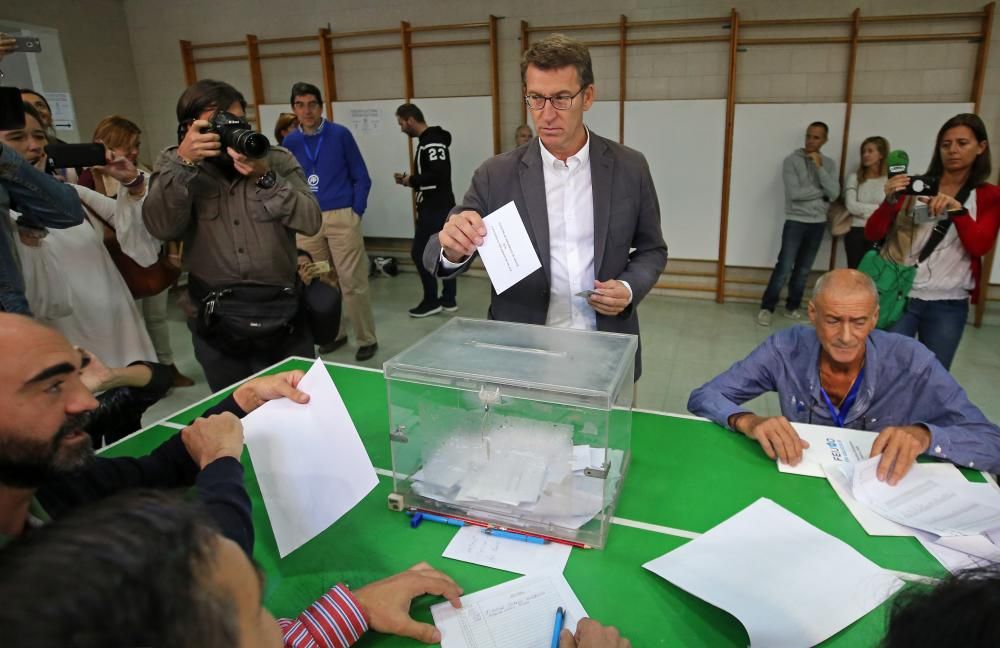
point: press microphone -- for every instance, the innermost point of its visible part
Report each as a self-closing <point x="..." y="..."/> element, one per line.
<point x="898" y="162"/>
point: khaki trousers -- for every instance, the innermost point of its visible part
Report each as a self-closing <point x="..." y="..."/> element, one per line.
<point x="340" y="243"/>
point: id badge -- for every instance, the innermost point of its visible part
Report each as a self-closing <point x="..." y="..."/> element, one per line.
<point x="313" y="181"/>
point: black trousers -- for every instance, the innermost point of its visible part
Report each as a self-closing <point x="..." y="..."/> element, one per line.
<point x="855" y="246"/>
<point x="430" y="220"/>
<point x="223" y="369"/>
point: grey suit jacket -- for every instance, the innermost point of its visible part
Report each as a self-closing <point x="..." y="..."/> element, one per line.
<point x="628" y="242"/>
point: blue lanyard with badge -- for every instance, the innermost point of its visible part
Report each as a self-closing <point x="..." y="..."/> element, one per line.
<point x="839" y="415"/>
<point x="313" y="156"/>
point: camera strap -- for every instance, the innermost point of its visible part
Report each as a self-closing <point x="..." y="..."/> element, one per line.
<point x="941" y="229"/>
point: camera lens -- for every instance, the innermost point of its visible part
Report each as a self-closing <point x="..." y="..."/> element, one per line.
<point x="246" y="142"/>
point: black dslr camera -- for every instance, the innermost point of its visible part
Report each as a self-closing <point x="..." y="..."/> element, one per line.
<point x="234" y="132"/>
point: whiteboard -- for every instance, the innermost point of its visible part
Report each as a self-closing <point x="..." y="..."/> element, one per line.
<point x="470" y="122"/>
<point x="910" y="127"/>
<point x="764" y="134"/>
<point x="683" y="142"/>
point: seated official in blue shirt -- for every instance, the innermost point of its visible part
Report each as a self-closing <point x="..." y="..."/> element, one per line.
<point x="844" y="373"/>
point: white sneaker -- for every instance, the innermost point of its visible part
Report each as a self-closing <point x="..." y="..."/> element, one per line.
<point x="764" y="317"/>
<point x="793" y="314"/>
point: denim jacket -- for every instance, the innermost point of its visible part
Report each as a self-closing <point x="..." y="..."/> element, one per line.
<point x="43" y="202"/>
<point x="903" y="384"/>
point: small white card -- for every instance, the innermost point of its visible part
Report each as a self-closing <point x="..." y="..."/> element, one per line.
<point x="473" y="545"/>
<point x="507" y="251"/>
<point x="829" y="445"/>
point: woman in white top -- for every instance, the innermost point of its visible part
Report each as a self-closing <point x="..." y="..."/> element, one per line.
<point x="863" y="194"/>
<point x="70" y="280"/>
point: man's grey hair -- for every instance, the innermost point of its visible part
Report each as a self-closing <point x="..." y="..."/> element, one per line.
<point x="854" y="279"/>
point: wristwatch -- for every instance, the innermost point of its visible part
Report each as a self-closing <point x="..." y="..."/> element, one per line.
<point x="267" y="180"/>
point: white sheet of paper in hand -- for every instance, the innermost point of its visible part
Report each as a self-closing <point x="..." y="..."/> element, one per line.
<point x="507" y="251"/>
<point x="471" y="544"/>
<point x="516" y="614"/>
<point x="829" y="445"/>
<point x="309" y="460"/>
<point x="787" y="582"/>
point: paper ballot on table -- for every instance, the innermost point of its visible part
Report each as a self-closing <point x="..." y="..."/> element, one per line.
<point x="839" y="476"/>
<point x="787" y="582"/>
<point x="922" y="501"/>
<point x="309" y="460"/>
<point x="517" y="614"/>
<point x="829" y="445"/>
<point x="471" y="544"/>
<point x="507" y="251"/>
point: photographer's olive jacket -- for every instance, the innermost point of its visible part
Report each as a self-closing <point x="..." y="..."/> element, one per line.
<point x="234" y="232"/>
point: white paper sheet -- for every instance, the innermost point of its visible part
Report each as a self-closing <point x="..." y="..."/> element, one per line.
<point x="839" y="476"/>
<point x="829" y="445"/>
<point x="310" y="463"/>
<point x="517" y="614"/>
<point x="473" y="545"/>
<point x="507" y="251"/>
<point x="922" y="501"/>
<point x="787" y="582"/>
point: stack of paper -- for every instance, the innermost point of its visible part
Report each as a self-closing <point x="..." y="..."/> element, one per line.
<point x="957" y="521"/>
<point x="516" y="614"/>
<point x="829" y="445"/>
<point x="787" y="582"/>
<point x="472" y="544"/>
<point x="517" y="466"/>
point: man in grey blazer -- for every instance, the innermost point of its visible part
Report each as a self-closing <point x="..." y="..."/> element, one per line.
<point x="588" y="203"/>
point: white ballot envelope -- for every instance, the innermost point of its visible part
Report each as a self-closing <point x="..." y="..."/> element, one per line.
<point x="829" y="445"/>
<point x="507" y="251"/>
<point x="310" y="463"/>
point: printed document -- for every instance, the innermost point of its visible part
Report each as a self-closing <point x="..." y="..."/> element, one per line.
<point x="922" y="501"/>
<point x="310" y="463"/>
<point x="518" y="614"/>
<point x="473" y="545"/>
<point x="507" y="251"/>
<point x="829" y="445"/>
<point x="789" y="584"/>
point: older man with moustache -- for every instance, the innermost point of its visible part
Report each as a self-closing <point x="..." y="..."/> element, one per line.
<point x="845" y="373"/>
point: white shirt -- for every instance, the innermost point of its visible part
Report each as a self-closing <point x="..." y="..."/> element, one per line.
<point x="947" y="272"/>
<point x="569" y="197"/>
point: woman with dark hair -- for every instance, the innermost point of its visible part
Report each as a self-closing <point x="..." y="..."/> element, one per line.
<point x="863" y="194"/>
<point x="944" y="236"/>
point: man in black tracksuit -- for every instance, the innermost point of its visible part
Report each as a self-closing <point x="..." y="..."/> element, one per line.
<point x="432" y="182"/>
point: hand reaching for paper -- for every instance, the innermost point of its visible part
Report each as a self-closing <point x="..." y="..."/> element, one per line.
<point x="254" y="393"/>
<point x="591" y="634"/>
<point x="774" y="434"/>
<point x="386" y="603"/>
<point x="899" y="447"/>
<point x="461" y="235"/>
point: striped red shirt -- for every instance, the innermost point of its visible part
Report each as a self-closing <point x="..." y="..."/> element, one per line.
<point x="334" y="621"/>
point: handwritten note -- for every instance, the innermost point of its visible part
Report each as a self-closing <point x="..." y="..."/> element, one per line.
<point x="516" y="614"/>
<point x="471" y="544"/>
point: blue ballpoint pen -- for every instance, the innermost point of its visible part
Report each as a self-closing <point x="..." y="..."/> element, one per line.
<point x="443" y="520"/>
<point x="557" y="629"/>
<point x="510" y="535"/>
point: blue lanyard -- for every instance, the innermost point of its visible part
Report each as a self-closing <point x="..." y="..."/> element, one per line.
<point x="845" y="407"/>
<point x="313" y="155"/>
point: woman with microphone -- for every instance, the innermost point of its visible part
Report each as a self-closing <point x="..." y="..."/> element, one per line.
<point x="944" y="236"/>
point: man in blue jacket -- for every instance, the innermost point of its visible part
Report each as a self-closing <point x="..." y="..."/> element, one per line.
<point x="845" y="373"/>
<point x="337" y="176"/>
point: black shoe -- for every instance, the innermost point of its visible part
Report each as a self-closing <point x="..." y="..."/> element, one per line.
<point x="449" y="306"/>
<point x="366" y="352"/>
<point x="332" y="346"/>
<point x="424" y="309"/>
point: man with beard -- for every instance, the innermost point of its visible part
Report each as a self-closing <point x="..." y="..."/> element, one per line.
<point x="238" y="217"/>
<point x="844" y="373"/>
<point x="47" y="463"/>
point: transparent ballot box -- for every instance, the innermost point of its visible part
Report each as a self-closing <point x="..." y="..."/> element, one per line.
<point x="516" y="426"/>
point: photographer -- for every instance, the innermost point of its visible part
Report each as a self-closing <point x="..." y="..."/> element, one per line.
<point x="238" y="216"/>
<point x="41" y="200"/>
<point x="938" y="306"/>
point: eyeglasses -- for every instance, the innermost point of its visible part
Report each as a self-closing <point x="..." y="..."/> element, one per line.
<point x="302" y="104"/>
<point x="559" y="102"/>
